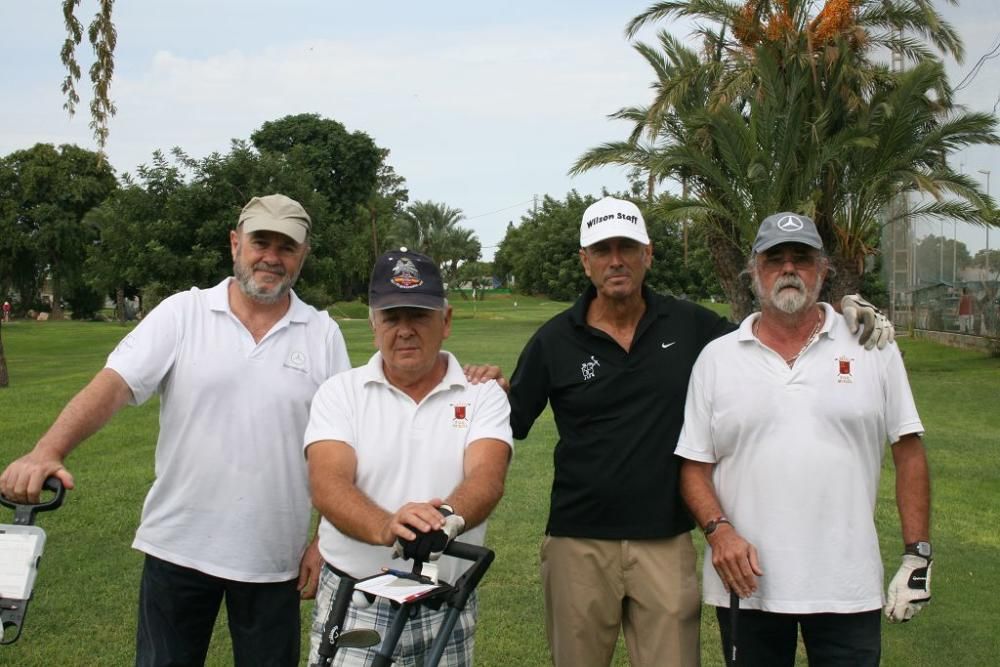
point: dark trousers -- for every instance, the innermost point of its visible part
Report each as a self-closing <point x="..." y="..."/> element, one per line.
<point x="832" y="640"/>
<point x="177" y="611"/>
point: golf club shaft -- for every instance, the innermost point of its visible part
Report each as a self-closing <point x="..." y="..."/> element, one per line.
<point x="734" y="616"/>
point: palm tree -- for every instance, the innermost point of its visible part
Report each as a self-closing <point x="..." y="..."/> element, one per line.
<point x="797" y="116"/>
<point x="432" y="228"/>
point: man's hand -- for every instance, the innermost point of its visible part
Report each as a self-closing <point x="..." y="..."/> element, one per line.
<point x="735" y="560"/>
<point x="22" y="481"/>
<point x="428" y="546"/>
<point x="876" y="329"/>
<point x="910" y="590"/>
<point x="309" y="569"/>
<point x="477" y="374"/>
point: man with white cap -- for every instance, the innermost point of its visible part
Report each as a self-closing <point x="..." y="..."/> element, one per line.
<point x="617" y="553"/>
<point x="402" y="447"/>
<point x="236" y="367"/>
<point x="784" y="431"/>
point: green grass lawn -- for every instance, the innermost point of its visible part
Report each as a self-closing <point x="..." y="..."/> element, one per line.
<point x="84" y="607"/>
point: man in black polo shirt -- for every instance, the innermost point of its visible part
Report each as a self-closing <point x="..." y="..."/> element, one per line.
<point x="618" y="551"/>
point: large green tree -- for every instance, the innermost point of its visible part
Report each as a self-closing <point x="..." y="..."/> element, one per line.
<point x="350" y="173"/>
<point x="542" y="253"/>
<point x="799" y="116"/>
<point x="46" y="192"/>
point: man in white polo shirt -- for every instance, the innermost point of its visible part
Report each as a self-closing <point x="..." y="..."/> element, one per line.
<point x="785" y="428"/>
<point x="401" y="446"/>
<point x="227" y="517"/>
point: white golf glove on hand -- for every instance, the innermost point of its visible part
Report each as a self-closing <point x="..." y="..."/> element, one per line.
<point x="429" y="546"/>
<point x="910" y="590"/>
<point x="877" y="329"/>
<point x="453" y="527"/>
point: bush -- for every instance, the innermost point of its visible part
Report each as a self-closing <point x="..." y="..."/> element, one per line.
<point x="84" y="302"/>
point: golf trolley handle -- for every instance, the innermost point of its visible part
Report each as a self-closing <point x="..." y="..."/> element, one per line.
<point x="13" y="610"/>
<point x="24" y="514"/>
<point x="467" y="583"/>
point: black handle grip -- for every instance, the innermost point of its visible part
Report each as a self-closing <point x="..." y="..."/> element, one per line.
<point x="24" y="513"/>
<point x="467" y="551"/>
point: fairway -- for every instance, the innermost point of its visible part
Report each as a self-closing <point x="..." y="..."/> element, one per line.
<point x="84" y="607"/>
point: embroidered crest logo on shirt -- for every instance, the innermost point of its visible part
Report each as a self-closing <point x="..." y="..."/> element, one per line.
<point x="460" y="420"/>
<point x="844" y="370"/>
<point x="296" y="361"/>
<point x="405" y="274"/>
<point x="589" y="368"/>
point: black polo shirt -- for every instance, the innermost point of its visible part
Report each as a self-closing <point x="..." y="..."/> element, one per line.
<point x="618" y="415"/>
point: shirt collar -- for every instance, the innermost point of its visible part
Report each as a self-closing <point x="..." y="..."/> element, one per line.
<point x="654" y="304"/>
<point x="454" y="376"/>
<point x="745" y="332"/>
<point x="218" y="300"/>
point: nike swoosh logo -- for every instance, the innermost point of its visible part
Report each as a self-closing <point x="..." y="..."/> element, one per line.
<point x="666" y="345"/>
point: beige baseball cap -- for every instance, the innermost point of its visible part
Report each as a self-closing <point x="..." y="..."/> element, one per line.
<point x="276" y="213"/>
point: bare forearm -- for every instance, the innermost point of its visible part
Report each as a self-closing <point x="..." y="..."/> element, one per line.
<point x="480" y="490"/>
<point x="475" y="499"/>
<point x="85" y="414"/>
<point x="351" y="511"/>
<point x="698" y="491"/>
<point x="913" y="489"/>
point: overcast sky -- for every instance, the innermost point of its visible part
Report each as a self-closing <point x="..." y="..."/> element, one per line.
<point x="482" y="105"/>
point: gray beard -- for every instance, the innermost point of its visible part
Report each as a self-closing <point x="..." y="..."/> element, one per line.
<point x="244" y="277"/>
<point x="787" y="302"/>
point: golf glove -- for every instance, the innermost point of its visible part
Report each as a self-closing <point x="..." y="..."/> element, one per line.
<point x="910" y="590"/>
<point x="429" y="546"/>
<point x="877" y="330"/>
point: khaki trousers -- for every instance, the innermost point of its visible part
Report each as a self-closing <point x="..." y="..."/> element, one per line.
<point x="648" y="588"/>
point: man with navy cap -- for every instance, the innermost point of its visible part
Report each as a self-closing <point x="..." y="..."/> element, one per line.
<point x="236" y="367"/>
<point x="784" y="432"/>
<point x="403" y="446"/>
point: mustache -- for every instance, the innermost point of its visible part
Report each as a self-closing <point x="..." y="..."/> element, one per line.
<point x="788" y="281"/>
<point x="276" y="269"/>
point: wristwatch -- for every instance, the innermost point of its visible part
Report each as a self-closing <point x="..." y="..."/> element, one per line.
<point x="715" y="523"/>
<point x="922" y="549"/>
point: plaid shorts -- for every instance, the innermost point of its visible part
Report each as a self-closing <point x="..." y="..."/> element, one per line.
<point x="415" y="642"/>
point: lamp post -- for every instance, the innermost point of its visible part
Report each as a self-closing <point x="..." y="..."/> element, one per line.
<point x="987" y="173"/>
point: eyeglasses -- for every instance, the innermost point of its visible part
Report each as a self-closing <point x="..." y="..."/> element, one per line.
<point x="800" y="259"/>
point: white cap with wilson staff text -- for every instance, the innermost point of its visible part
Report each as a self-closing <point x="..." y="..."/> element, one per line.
<point x="609" y="218"/>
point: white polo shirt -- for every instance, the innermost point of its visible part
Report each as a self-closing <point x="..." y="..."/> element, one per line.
<point x="406" y="451"/>
<point x="798" y="455"/>
<point x="231" y="495"/>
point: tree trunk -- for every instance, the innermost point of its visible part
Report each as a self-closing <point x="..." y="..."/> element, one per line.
<point x="729" y="263"/>
<point x="120" y="305"/>
<point x="844" y="279"/>
<point x="4" y="379"/>
<point x="57" y="311"/>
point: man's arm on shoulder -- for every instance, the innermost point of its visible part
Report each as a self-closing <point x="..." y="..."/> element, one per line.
<point x="84" y="415"/>
<point x="485" y="465"/>
<point x="913" y="488"/>
<point x="529" y="387"/>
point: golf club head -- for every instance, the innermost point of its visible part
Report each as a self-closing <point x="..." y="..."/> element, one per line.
<point x="358" y="639"/>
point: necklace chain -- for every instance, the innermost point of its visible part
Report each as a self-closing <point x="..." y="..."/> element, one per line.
<point x="812" y="336"/>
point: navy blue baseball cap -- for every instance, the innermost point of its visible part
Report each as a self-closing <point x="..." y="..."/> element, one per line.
<point x="405" y="279"/>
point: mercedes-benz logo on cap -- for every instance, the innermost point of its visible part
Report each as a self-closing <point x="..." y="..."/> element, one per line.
<point x="790" y="223"/>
